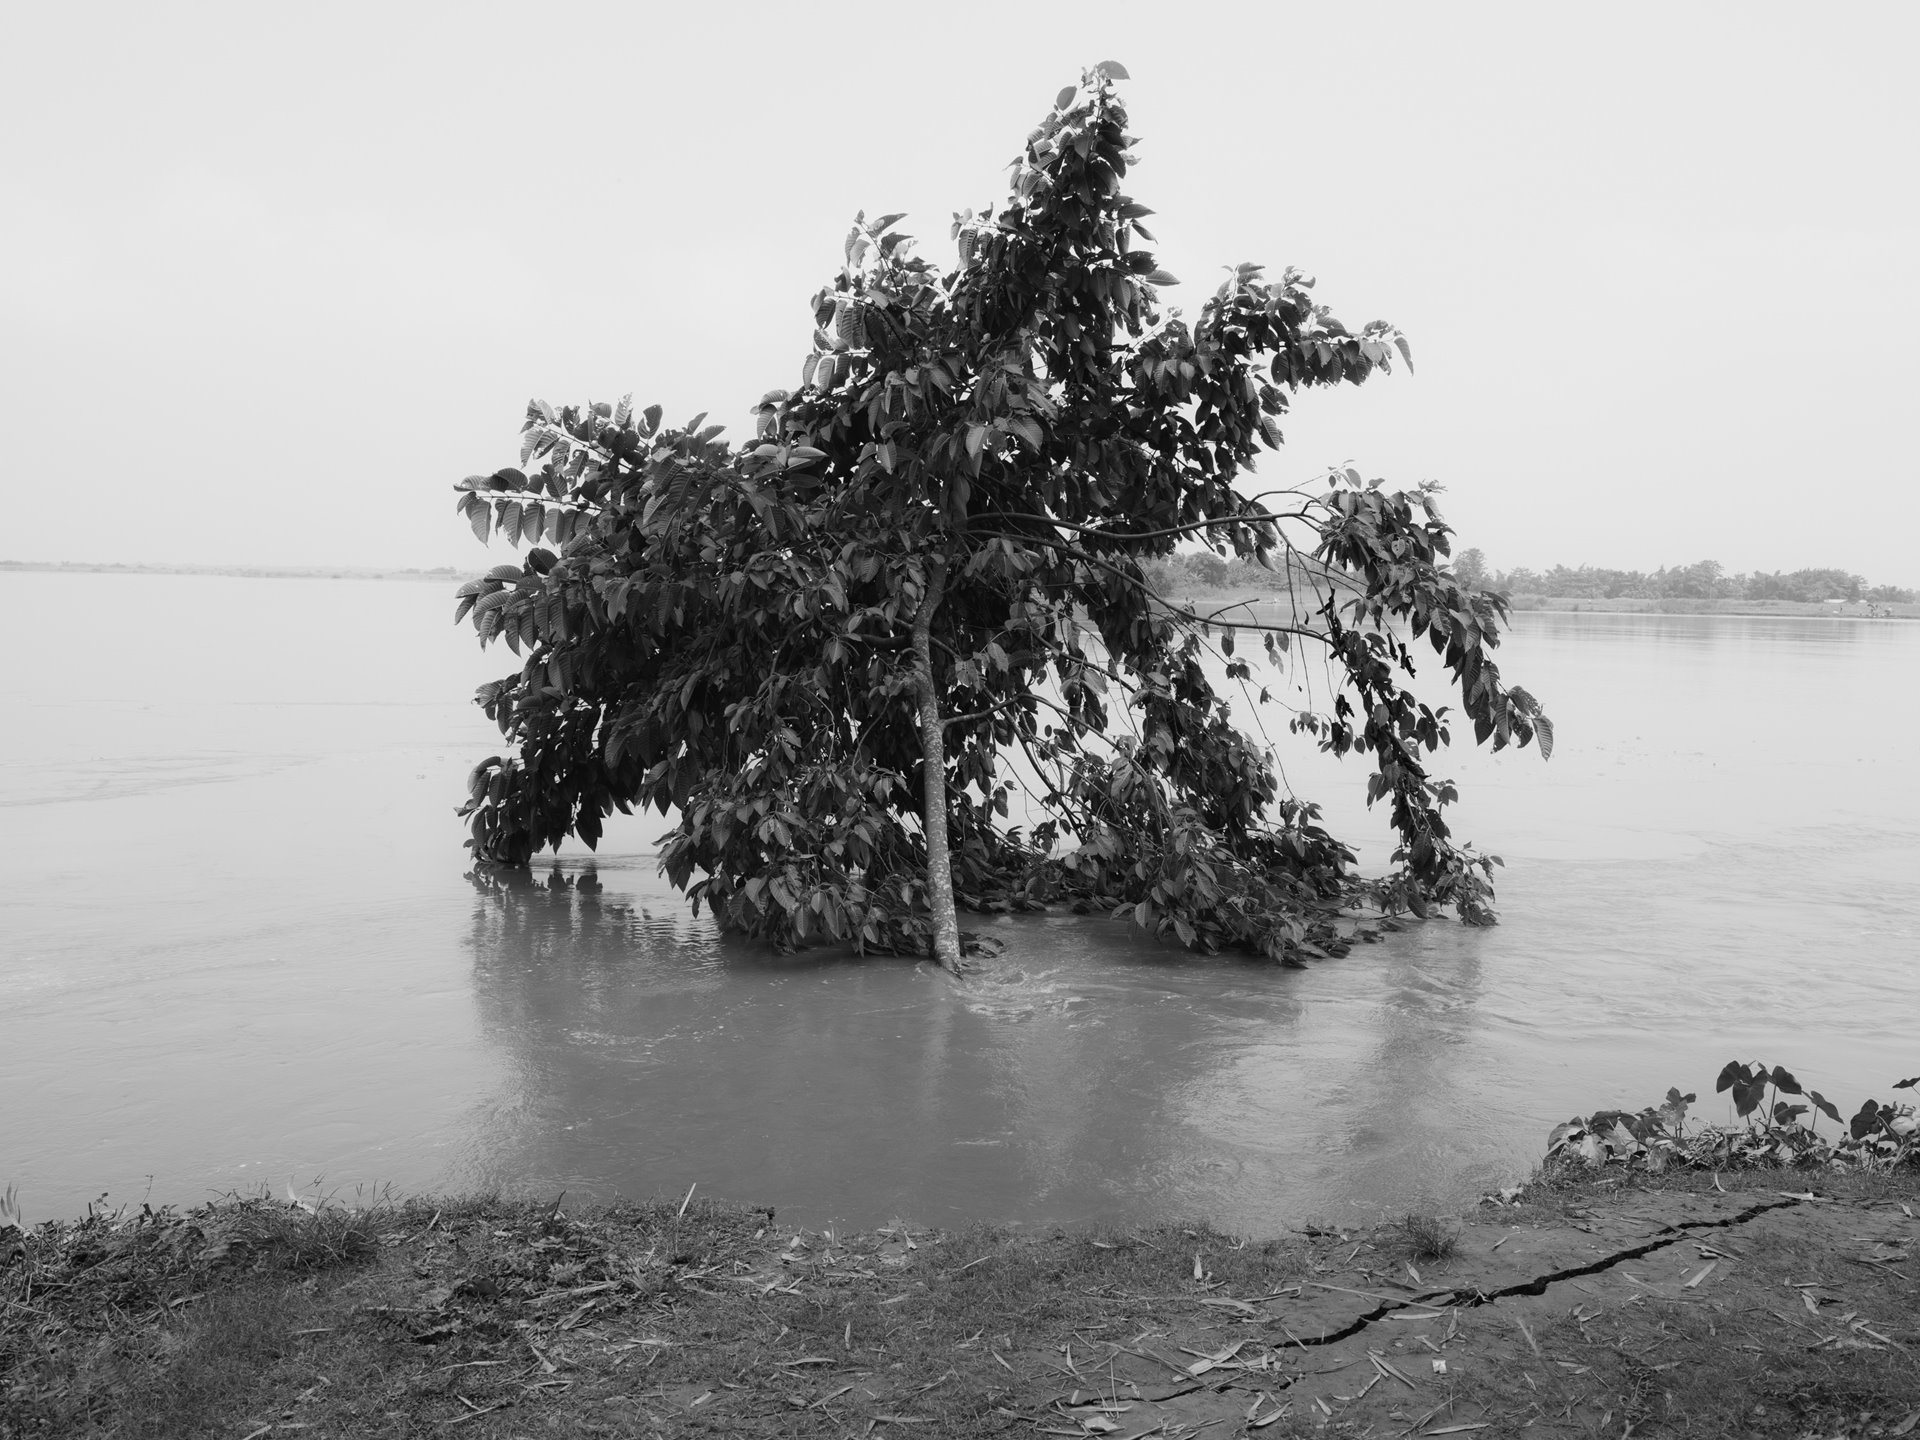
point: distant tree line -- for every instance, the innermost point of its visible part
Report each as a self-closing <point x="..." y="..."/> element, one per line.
<point x="1704" y="580"/>
<point x="1203" y="570"/>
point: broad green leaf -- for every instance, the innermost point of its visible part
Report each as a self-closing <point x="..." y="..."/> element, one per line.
<point x="850" y="324"/>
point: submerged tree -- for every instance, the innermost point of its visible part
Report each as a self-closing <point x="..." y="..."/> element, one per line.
<point x="842" y="649"/>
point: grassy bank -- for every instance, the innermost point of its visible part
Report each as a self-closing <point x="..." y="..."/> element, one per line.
<point x="1609" y="1305"/>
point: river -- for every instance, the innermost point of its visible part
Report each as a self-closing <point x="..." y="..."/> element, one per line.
<point x="238" y="947"/>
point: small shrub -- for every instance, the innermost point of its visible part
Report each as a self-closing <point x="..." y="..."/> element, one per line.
<point x="1773" y="1130"/>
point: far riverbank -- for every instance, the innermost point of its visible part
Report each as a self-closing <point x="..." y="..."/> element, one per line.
<point x="1204" y="600"/>
<point x="1208" y="601"/>
<point x="445" y="574"/>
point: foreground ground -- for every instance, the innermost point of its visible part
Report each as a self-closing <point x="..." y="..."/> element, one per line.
<point x="1590" y="1308"/>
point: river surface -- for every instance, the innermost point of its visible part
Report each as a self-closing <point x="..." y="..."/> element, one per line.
<point x="239" y="947"/>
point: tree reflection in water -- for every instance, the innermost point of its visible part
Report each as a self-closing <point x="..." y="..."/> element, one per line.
<point x="1077" y="1076"/>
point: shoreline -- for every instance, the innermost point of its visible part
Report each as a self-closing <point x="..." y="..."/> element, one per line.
<point x="1544" y="604"/>
<point x="1203" y="599"/>
<point x="444" y="574"/>
<point x="1588" y="1301"/>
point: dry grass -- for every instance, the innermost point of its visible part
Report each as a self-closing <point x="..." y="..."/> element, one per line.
<point x="1429" y="1239"/>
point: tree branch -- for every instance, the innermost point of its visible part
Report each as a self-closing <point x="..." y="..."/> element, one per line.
<point x="1261" y="517"/>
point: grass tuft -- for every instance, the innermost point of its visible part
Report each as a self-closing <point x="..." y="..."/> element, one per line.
<point x="1428" y="1238"/>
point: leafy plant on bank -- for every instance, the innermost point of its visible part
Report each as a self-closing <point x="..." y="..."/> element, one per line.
<point x="842" y="649"/>
<point x="1774" y="1131"/>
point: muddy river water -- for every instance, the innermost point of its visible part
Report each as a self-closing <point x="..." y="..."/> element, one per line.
<point x="238" y="946"/>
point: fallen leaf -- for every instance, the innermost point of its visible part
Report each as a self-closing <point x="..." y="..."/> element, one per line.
<point x="1380" y="1363"/>
<point x="1532" y="1344"/>
<point x="1226" y="1303"/>
<point x="1219" y="1357"/>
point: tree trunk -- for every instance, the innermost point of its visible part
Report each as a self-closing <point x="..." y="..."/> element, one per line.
<point x="933" y="761"/>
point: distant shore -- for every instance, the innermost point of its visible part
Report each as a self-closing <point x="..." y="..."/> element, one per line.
<point x="1209" y="601"/>
<point x="445" y="574"/>
<point x="1204" y="600"/>
<point x="1844" y="610"/>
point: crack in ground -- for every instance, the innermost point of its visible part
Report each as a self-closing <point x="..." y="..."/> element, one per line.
<point x="1456" y="1300"/>
<point x="1669" y="1234"/>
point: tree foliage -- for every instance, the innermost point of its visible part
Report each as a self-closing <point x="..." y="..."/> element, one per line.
<point x="915" y="600"/>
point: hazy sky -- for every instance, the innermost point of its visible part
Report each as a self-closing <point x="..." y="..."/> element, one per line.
<point x="272" y="277"/>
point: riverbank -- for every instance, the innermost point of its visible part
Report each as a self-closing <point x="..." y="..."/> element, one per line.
<point x="1280" y="608"/>
<point x="1756" y="1303"/>
<point x="445" y="575"/>
<point x="1624" y="605"/>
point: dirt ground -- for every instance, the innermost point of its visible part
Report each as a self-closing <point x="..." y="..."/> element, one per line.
<point x="1592" y="1308"/>
<point x="1618" y="1311"/>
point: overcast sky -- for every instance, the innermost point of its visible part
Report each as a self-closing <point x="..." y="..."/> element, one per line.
<point x="272" y="277"/>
